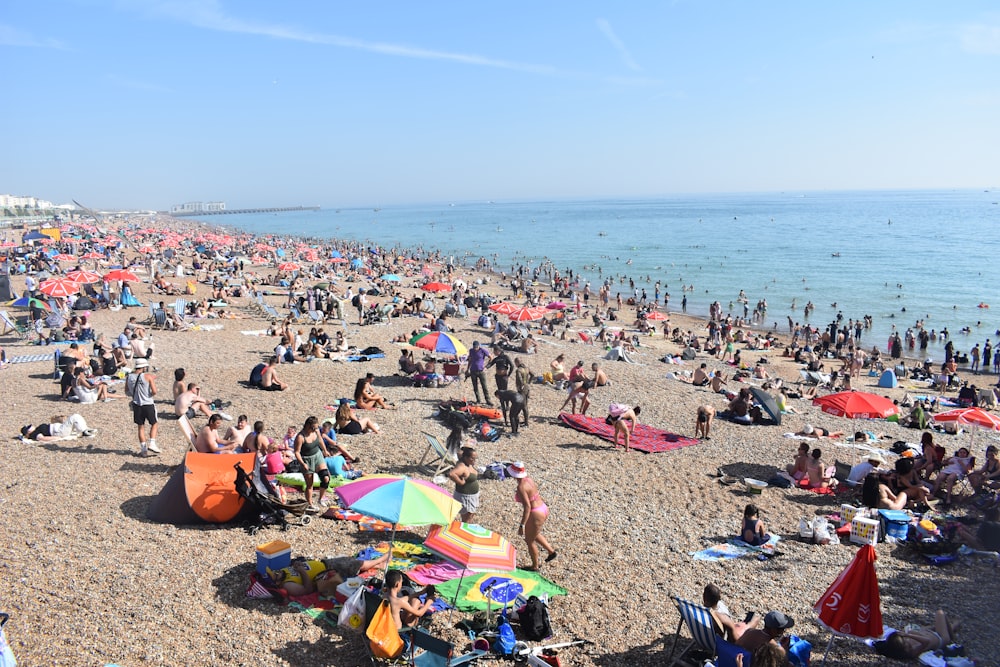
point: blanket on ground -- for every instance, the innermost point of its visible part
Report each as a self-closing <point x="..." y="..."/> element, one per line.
<point x="736" y="548"/>
<point x="28" y="358"/>
<point x="365" y="523"/>
<point x="468" y="593"/>
<point x="645" y="438"/>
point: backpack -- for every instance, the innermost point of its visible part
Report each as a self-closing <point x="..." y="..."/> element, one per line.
<point x="356" y="301"/>
<point x="257" y="375"/>
<point x="534" y="619"/>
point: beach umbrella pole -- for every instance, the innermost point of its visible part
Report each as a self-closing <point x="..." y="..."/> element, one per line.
<point x="826" y="653"/>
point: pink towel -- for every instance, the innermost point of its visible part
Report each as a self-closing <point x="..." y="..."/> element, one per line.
<point x="436" y="573"/>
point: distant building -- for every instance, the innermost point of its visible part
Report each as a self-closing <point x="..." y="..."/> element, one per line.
<point x="10" y="201"/>
<point x="198" y="207"/>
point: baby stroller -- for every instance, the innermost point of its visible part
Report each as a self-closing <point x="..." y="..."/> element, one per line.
<point x="270" y="511"/>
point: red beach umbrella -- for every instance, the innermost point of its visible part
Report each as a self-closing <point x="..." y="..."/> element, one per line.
<point x="83" y="277"/>
<point x="8" y="244"/>
<point x="436" y="287"/>
<point x="121" y="274"/>
<point x="656" y="315"/>
<point x="92" y="255"/>
<point x="971" y="417"/>
<point x="338" y="260"/>
<point x="63" y="257"/>
<point x="289" y="266"/>
<point x="857" y="405"/>
<point x="503" y="308"/>
<point x="852" y="606"/>
<point x="59" y="287"/>
<point x="527" y="314"/>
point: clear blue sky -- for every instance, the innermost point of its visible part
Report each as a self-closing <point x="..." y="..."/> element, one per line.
<point x="134" y="103"/>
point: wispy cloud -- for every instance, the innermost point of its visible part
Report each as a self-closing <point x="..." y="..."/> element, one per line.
<point x="11" y="36"/>
<point x="210" y="16"/>
<point x="142" y="86"/>
<point x="981" y="38"/>
<point x="626" y="57"/>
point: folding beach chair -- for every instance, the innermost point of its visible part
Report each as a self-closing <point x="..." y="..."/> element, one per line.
<point x="159" y="318"/>
<point x="188" y="431"/>
<point x="699" y="622"/>
<point x="316" y="316"/>
<point x="10" y="324"/>
<point x="442" y="461"/>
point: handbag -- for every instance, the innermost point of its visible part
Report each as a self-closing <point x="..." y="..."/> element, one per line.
<point x="352" y="616"/>
<point x="383" y="635"/>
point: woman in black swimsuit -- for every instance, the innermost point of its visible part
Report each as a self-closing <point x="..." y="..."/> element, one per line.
<point x="990" y="472"/>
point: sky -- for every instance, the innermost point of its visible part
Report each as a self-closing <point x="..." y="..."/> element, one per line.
<point x="151" y="103"/>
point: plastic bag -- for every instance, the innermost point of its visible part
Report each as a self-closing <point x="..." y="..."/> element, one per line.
<point x="352" y="616"/>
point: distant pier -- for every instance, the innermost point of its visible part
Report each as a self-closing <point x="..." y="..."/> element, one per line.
<point x="238" y="211"/>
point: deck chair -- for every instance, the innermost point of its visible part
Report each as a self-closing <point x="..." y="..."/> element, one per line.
<point x="159" y="318"/>
<point x="442" y="460"/>
<point x="429" y="651"/>
<point x="180" y="306"/>
<point x="10" y="324"/>
<point x="188" y="431"/>
<point x="316" y="316"/>
<point x="699" y="622"/>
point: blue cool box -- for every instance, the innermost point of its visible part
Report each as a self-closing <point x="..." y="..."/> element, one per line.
<point x="897" y="523"/>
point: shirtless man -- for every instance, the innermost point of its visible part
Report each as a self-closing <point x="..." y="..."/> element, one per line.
<point x="718" y="382"/>
<point x="190" y="402"/>
<point x="600" y="377"/>
<point x="700" y="378"/>
<point x="208" y="438"/>
<point x="269" y="378"/>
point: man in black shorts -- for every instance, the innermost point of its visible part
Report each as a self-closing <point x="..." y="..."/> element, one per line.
<point x="141" y="388"/>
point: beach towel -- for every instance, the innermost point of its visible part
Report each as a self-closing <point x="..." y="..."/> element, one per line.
<point x="645" y="438"/>
<point x="295" y="479"/>
<point x="364" y="357"/>
<point x="257" y="332"/>
<point x="436" y="573"/>
<point x="208" y="327"/>
<point x="468" y="596"/>
<point x="736" y="548"/>
<point x="28" y="358"/>
<point x="365" y="523"/>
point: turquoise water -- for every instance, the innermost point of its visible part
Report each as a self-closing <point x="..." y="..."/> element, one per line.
<point x="929" y="252"/>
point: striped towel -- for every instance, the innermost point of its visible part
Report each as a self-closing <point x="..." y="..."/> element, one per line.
<point x="27" y="358"/>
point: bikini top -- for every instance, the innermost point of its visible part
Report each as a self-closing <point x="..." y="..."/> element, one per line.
<point x="536" y="497"/>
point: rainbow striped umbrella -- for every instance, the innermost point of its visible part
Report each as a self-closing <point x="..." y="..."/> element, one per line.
<point x="399" y="499"/>
<point x="439" y="341"/>
<point x="472" y="546"/>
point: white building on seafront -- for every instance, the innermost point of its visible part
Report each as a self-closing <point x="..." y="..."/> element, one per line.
<point x="198" y="207"/>
<point x="12" y="201"/>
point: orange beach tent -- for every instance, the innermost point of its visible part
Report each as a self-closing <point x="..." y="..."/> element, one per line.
<point x="202" y="490"/>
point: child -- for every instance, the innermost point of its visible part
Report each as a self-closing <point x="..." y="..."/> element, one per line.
<point x="753" y="532"/>
<point x="274" y="464"/>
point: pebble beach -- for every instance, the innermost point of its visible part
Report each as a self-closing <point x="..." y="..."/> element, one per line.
<point x="89" y="580"/>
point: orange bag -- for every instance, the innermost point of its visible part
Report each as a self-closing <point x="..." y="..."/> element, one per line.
<point x="383" y="635"/>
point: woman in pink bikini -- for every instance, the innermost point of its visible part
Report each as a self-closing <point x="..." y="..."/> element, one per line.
<point x="534" y="516"/>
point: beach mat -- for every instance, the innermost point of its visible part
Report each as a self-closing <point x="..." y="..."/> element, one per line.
<point x="735" y="548"/>
<point x="645" y="438"/>
<point x="29" y="358"/>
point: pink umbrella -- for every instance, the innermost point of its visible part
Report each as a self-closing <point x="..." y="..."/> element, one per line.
<point x="555" y="305"/>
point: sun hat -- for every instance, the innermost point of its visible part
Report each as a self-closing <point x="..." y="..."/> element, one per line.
<point x="807" y="429"/>
<point x="876" y="457"/>
<point x="517" y="470"/>
<point x="141" y="363"/>
<point x="775" y="620"/>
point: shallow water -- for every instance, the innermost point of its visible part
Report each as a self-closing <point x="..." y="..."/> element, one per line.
<point x="926" y="251"/>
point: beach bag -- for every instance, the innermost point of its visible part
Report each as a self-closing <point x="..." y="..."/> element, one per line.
<point x="534" y="620"/>
<point x="488" y="433"/>
<point x="382" y="634"/>
<point x="496" y="471"/>
<point x="799" y="651"/>
<point x="505" y="641"/>
<point x="352" y="616"/>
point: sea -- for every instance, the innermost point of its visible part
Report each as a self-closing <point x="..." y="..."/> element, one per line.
<point x="898" y="256"/>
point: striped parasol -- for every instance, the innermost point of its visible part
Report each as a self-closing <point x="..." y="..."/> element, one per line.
<point x="59" y="287"/>
<point x="472" y="546"/>
<point x="84" y="277"/>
